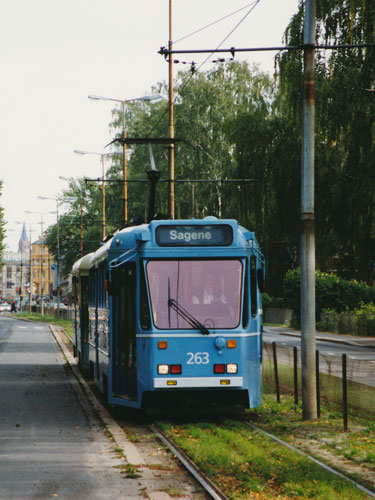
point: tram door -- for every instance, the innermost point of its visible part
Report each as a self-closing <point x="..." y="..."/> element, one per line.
<point x="84" y="305"/>
<point x="124" y="331"/>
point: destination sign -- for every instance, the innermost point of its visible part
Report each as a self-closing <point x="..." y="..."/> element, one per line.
<point x="194" y="236"/>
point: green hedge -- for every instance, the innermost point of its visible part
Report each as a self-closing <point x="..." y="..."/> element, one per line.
<point x="331" y="293"/>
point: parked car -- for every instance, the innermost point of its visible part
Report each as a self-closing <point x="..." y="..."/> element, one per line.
<point x="61" y="306"/>
<point x="5" y="307"/>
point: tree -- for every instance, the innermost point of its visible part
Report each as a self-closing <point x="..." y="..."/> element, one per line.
<point x="345" y="131"/>
<point x="70" y="224"/>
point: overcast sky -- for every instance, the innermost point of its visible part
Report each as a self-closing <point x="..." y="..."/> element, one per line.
<point x="54" y="54"/>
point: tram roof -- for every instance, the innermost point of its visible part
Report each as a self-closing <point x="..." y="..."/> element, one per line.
<point x="83" y="264"/>
<point x="128" y="237"/>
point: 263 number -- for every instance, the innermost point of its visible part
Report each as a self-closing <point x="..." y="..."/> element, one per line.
<point x="198" y="358"/>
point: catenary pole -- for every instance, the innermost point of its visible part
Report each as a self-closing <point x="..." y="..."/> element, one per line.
<point x="309" y="405"/>
<point x="171" y="201"/>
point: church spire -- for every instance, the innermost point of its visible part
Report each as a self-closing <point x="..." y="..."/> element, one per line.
<point x="24" y="243"/>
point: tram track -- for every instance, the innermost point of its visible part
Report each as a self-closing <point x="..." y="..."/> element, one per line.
<point x="310" y="457"/>
<point x="212" y="489"/>
<point x="191" y="466"/>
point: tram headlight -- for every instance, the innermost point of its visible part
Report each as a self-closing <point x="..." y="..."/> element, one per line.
<point x="163" y="369"/>
<point x="232" y="368"/>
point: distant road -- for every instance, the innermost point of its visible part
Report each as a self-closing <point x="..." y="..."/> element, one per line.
<point x="325" y="343"/>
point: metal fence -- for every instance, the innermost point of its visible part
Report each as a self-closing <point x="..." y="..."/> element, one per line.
<point x="344" y="383"/>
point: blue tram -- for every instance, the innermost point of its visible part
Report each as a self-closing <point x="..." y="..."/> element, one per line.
<point x="171" y="311"/>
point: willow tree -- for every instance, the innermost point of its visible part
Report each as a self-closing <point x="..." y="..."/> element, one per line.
<point x="345" y="130"/>
<point x="205" y="106"/>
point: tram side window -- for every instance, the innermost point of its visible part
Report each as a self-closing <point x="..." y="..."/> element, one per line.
<point x="101" y="279"/>
<point x="253" y="285"/>
<point x="92" y="288"/>
<point x="74" y="289"/>
<point x="145" y="317"/>
<point x="245" y="316"/>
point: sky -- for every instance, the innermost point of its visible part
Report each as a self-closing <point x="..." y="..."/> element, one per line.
<point x="54" y="54"/>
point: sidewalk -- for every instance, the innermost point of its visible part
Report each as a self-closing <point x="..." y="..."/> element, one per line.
<point x="325" y="336"/>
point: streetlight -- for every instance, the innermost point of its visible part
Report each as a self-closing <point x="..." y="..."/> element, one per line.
<point x="81" y="210"/>
<point x="19" y="273"/>
<point x="147" y="98"/>
<point x="57" y="200"/>
<point x="102" y="155"/>
<point x="30" y="288"/>
<point x="41" y="255"/>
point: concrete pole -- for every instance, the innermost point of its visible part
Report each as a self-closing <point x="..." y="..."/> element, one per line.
<point x="309" y="404"/>
<point x="30" y="278"/>
<point x="81" y="226"/>
<point x="171" y="199"/>
<point x="124" y="168"/>
<point x="41" y="267"/>
<point x="103" y="199"/>
<point x="58" y="259"/>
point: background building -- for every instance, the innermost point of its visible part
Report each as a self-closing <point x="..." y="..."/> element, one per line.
<point x="14" y="276"/>
<point x="41" y="270"/>
<point x="25" y="271"/>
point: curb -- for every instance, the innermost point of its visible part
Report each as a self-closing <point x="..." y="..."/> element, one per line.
<point x="132" y="454"/>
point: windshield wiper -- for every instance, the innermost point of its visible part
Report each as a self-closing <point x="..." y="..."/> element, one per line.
<point x="189" y="318"/>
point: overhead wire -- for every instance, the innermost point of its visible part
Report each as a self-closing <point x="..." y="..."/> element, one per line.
<point x="252" y="7"/>
<point x="213" y="23"/>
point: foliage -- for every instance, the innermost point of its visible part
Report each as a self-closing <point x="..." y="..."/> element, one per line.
<point x="267" y="300"/>
<point x="69" y="242"/>
<point x="331" y="292"/>
<point x="359" y="322"/>
<point x="238" y="123"/>
<point x="245" y="463"/>
<point x="345" y="131"/>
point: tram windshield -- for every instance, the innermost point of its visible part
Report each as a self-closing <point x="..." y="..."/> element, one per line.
<point x="208" y="290"/>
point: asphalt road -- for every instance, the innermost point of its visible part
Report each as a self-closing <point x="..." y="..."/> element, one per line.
<point x="50" y="444"/>
<point x="327" y="344"/>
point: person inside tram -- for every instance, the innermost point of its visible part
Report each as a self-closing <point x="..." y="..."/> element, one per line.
<point x="210" y="292"/>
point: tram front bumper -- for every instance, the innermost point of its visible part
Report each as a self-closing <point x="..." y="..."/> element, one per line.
<point x="197" y="382"/>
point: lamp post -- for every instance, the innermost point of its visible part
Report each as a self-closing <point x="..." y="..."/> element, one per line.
<point x="148" y="98"/>
<point x="81" y="212"/>
<point x="171" y="151"/>
<point x="57" y="200"/>
<point x="102" y="155"/>
<point x="41" y="255"/>
<point x="19" y="279"/>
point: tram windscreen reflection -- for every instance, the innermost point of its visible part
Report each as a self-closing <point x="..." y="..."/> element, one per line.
<point x="209" y="290"/>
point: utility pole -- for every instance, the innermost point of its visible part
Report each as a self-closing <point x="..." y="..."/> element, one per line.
<point x="171" y="202"/>
<point x="124" y="168"/>
<point x="308" y="332"/>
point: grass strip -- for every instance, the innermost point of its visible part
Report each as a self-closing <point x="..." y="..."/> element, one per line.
<point x="246" y="464"/>
<point x="45" y="318"/>
<point x="360" y="396"/>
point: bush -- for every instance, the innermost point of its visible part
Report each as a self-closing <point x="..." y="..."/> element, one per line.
<point x="267" y="300"/>
<point x="331" y="292"/>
